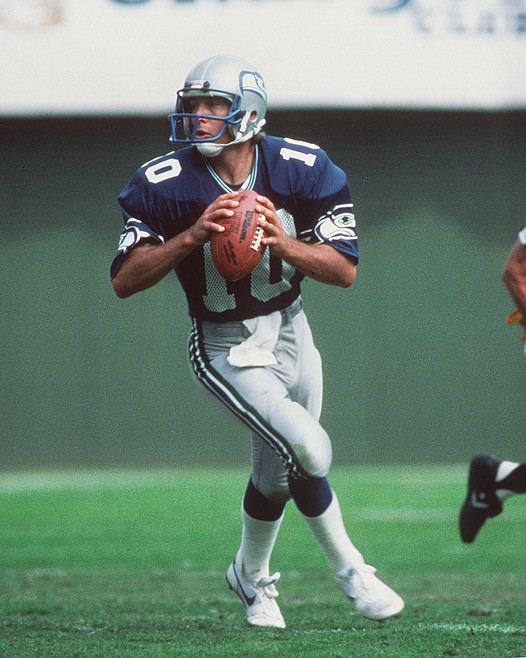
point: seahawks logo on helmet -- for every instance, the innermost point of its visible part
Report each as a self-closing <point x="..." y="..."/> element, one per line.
<point x="338" y="224"/>
<point x="252" y="81"/>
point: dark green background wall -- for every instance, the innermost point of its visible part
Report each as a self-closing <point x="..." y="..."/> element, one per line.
<point x="420" y="365"/>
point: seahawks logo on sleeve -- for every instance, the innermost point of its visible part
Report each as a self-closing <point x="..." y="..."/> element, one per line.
<point x="338" y="224"/>
<point x="134" y="232"/>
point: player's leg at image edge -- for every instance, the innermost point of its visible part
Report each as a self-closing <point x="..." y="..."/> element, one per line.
<point x="490" y="482"/>
<point x="248" y="575"/>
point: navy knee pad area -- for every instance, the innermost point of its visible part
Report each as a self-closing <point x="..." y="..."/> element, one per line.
<point x="311" y="495"/>
<point x="259" y="506"/>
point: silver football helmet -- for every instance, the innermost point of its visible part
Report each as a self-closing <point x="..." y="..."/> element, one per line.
<point x="227" y="77"/>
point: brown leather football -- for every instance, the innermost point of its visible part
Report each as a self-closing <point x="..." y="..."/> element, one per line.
<point x="238" y="250"/>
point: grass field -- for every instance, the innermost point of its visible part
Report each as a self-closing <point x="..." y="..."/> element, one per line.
<point x="117" y="563"/>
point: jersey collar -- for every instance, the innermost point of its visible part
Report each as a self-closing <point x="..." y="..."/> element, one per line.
<point x="247" y="184"/>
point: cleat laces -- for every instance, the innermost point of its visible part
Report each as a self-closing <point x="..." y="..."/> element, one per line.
<point x="266" y="590"/>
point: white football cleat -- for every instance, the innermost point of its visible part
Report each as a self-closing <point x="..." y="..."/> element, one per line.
<point x="372" y="598"/>
<point x="258" y="598"/>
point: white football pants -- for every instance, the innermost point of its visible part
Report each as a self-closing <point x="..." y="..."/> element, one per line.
<point x="280" y="402"/>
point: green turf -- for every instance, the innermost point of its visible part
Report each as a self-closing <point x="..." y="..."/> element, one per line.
<point x="131" y="563"/>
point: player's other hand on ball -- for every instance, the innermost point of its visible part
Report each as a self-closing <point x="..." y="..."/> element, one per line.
<point x="211" y="220"/>
<point x="275" y="235"/>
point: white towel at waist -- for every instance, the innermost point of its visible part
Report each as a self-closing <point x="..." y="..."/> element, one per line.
<point x="258" y="348"/>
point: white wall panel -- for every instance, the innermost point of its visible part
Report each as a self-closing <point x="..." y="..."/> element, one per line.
<point x="129" y="56"/>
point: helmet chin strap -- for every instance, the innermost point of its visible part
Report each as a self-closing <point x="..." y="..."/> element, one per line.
<point x="211" y="149"/>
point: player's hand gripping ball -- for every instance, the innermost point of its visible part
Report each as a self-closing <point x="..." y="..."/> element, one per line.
<point x="238" y="249"/>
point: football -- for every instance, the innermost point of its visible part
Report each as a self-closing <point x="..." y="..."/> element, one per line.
<point x="238" y="250"/>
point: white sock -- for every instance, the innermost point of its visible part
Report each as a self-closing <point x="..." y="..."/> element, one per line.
<point x="331" y="535"/>
<point x="504" y="469"/>
<point x="257" y="542"/>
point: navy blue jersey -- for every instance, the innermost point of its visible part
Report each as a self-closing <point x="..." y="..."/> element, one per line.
<point x="168" y="194"/>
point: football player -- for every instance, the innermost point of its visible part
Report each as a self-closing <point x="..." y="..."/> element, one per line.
<point x="491" y="481"/>
<point x="171" y="207"/>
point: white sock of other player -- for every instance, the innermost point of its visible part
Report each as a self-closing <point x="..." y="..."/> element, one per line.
<point x="510" y="479"/>
<point x="257" y="543"/>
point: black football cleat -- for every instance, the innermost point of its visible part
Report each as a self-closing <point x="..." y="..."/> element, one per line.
<point x="481" y="502"/>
